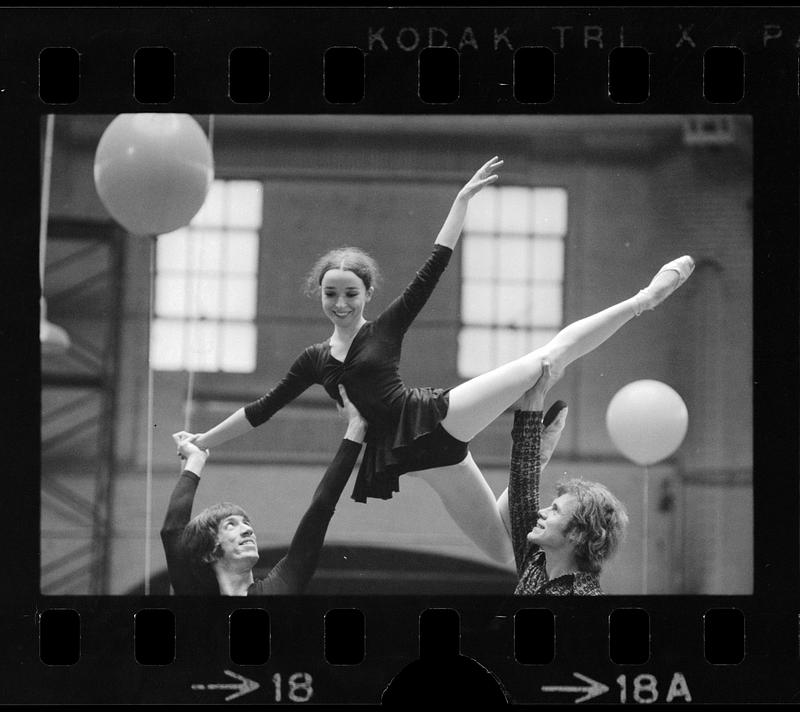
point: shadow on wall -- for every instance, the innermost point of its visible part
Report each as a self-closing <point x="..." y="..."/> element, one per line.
<point x="361" y="570"/>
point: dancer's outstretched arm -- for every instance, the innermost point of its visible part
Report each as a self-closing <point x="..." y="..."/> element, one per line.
<point x="233" y="426"/>
<point x="293" y="572"/>
<point x="299" y="377"/>
<point x="454" y="223"/>
<point x="552" y="427"/>
<point x="525" y="471"/>
<point x="179" y="511"/>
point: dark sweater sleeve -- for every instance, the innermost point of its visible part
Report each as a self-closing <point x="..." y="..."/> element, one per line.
<point x="179" y="512"/>
<point x="403" y="310"/>
<point x="523" y="483"/>
<point x="300" y="376"/>
<point x="293" y="572"/>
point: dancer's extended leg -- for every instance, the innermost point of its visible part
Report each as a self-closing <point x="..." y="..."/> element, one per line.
<point x="479" y="401"/>
<point x="471" y="503"/>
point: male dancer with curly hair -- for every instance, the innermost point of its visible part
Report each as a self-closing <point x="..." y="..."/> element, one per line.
<point x="559" y="549"/>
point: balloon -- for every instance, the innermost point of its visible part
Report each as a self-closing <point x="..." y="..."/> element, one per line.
<point x="647" y="420"/>
<point x="152" y="171"/>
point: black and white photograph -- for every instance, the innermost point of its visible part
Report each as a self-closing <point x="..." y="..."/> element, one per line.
<point x="400" y="355"/>
<point x="396" y="354"/>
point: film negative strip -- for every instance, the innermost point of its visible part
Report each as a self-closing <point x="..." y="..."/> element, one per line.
<point x="628" y="136"/>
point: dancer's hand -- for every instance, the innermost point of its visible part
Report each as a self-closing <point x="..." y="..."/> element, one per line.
<point x="356" y="425"/>
<point x="533" y="398"/>
<point x="196" y="438"/>
<point x="195" y="456"/>
<point x="185" y="435"/>
<point x="485" y="176"/>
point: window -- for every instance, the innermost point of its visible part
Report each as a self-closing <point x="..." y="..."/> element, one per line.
<point x="206" y="285"/>
<point x="512" y="275"/>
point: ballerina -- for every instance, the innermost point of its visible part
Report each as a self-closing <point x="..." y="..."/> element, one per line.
<point x="426" y="431"/>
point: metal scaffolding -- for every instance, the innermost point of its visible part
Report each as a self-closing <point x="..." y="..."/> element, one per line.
<point x="83" y="283"/>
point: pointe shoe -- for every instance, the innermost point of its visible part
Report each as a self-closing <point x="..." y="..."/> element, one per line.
<point x="646" y="299"/>
<point x="684" y="266"/>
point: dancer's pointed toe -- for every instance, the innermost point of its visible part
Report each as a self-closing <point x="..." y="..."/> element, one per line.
<point x="684" y="266"/>
<point x="664" y="284"/>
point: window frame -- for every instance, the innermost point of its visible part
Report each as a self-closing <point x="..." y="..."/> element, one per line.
<point x="190" y="316"/>
<point x="496" y="324"/>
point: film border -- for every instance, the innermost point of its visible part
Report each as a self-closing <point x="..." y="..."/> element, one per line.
<point x="107" y="38"/>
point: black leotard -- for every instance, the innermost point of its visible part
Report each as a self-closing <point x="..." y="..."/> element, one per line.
<point x="404" y="433"/>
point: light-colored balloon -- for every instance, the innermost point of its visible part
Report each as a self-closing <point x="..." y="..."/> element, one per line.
<point x="647" y="421"/>
<point x="152" y="171"/>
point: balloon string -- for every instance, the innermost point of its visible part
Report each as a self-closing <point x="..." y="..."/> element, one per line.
<point x="189" y="408"/>
<point x="645" y="536"/>
<point x="190" y="347"/>
<point x="150" y="427"/>
<point x="191" y="336"/>
<point x="44" y="208"/>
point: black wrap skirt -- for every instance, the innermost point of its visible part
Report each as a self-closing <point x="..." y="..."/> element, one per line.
<point x="416" y="442"/>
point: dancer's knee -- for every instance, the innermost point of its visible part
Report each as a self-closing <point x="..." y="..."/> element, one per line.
<point x="554" y="354"/>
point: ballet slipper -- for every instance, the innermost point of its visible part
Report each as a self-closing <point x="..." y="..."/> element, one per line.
<point x="648" y="299"/>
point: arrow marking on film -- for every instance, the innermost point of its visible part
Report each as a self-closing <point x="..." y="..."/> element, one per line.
<point x="593" y="690"/>
<point x="243" y="687"/>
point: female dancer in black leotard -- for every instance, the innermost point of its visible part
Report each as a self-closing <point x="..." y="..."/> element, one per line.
<point x="423" y="430"/>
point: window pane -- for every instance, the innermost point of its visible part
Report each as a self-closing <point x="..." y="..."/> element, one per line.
<point x="207" y="249"/>
<point x="171" y="252"/>
<point x="477" y="303"/>
<point x="546" y="306"/>
<point x="241" y="252"/>
<point x="170" y="295"/>
<point x="208" y="271"/>
<point x="239" y="298"/>
<point x="211" y="213"/>
<point x="166" y="345"/>
<point x="513" y="258"/>
<point x="477" y="261"/>
<point x="202" y="346"/>
<point x="238" y="352"/>
<point x="510" y="344"/>
<point x="513" y="274"/>
<point x="515" y="210"/>
<point x="481" y="214"/>
<point x="548" y="259"/>
<point x="209" y="296"/>
<point x="550" y="211"/>
<point x="474" y="352"/>
<point x="244" y="204"/>
<point x="514" y="304"/>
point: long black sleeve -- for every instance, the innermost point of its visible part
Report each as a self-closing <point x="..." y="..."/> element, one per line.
<point x="523" y="483"/>
<point x="403" y="310"/>
<point x="179" y="512"/>
<point x="293" y="572"/>
<point x="299" y="377"/>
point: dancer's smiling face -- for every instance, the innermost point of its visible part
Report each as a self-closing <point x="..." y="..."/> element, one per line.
<point x="344" y="297"/>
<point x="236" y="541"/>
<point x="551" y="530"/>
